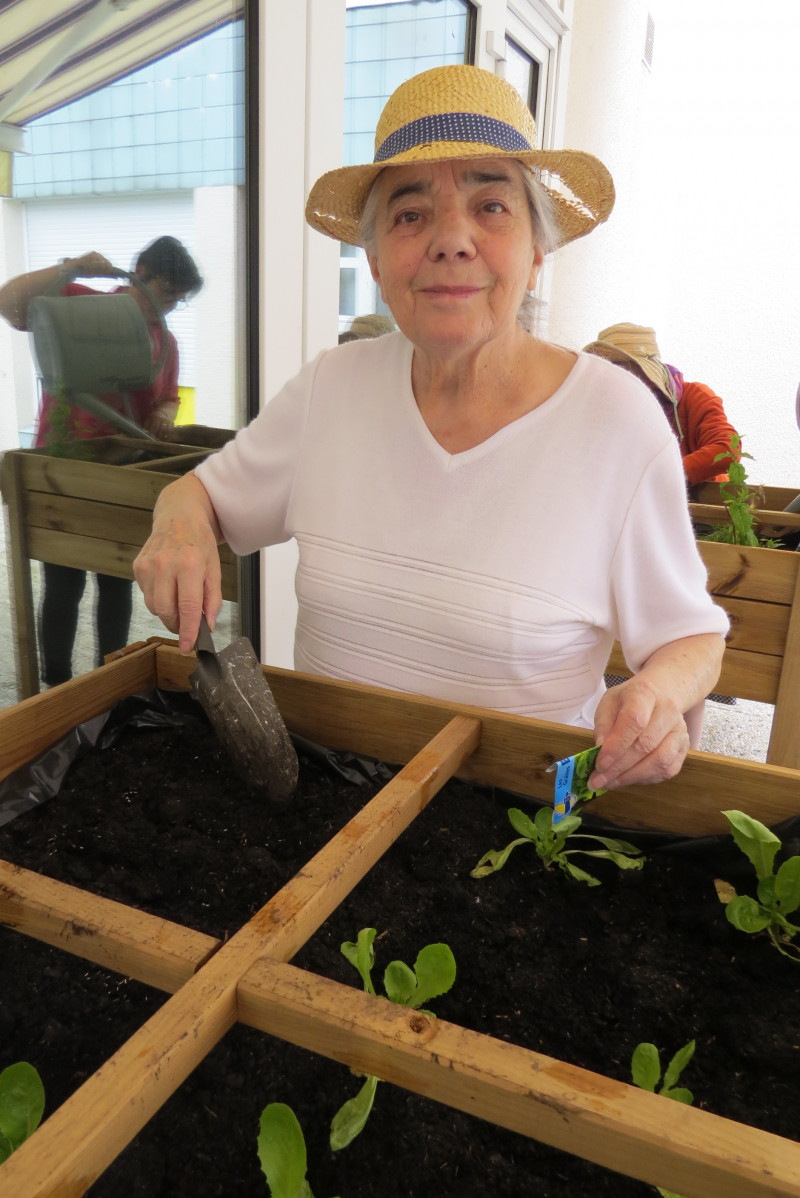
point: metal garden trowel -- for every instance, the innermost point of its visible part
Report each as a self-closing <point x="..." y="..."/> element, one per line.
<point x="235" y="696"/>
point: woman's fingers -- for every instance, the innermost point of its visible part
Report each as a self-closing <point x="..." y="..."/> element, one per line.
<point x="643" y="734"/>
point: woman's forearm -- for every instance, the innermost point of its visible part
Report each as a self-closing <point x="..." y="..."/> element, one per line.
<point x="687" y="669"/>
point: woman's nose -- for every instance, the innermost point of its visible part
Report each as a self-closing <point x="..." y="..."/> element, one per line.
<point x="451" y="235"/>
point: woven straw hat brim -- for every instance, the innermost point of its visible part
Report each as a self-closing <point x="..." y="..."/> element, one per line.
<point x="653" y="368"/>
<point x="337" y="199"/>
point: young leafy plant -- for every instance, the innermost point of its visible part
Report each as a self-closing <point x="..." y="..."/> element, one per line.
<point x="551" y="846"/>
<point x="282" y="1152"/>
<point x="740" y="502"/>
<point x="646" y="1073"/>
<point x="433" y="974"/>
<point x="21" y="1106"/>
<point x="778" y="894"/>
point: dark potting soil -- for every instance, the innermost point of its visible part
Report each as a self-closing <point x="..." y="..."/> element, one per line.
<point x="158" y="821"/>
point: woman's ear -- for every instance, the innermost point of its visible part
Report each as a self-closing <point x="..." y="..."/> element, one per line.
<point x="536" y="266"/>
<point x="375" y="272"/>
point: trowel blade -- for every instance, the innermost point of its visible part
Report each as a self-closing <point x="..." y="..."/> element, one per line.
<point x="236" y="697"/>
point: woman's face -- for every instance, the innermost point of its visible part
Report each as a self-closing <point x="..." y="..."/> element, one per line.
<point x="454" y="252"/>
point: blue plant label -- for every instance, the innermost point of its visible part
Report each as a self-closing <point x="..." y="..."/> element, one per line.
<point x="572" y="776"/>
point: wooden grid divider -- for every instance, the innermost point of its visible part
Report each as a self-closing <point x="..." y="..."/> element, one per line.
<point x="249" y="978"/>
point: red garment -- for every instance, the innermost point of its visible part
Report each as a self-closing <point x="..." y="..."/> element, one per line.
<point x="705" y="432"/>
<point x="82" y="423"/>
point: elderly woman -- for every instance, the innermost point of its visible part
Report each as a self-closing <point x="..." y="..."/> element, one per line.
<point x="418" y="471"/>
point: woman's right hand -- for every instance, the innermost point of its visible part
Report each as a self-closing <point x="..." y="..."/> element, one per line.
<point x="178" y="568"/>
<point x="90" y="265"/>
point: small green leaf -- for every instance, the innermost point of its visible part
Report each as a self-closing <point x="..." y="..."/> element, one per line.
<point x="523" y="823"/>
<point x="399" y="983"/>
<point x="646" y="1067"/>
<point x="360" y="954"/>
<point x="495" y="859"/>
<point x="677" y="1065"/>
<point x="6" y="1148"/>
<point x="678" y="1094"/>
<point x="349" y="1120"/>
<point x="787" y="885"/>
<point x="580" y="875"/>
<point x="435" y="968"/>
<point x="282" y="1151"/>
<point x="746" y="914"/>
<point x="755" y="840"/>
<point x="21" y="1102"/>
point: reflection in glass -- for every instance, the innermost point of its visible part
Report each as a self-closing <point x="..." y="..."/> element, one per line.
<point x="157" y="151"/>
<point x="387" y="43"/>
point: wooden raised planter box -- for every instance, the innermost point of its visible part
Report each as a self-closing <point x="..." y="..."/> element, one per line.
<point x="249" y="977"/>
<point x="706" y="506"/>
<point x="94" y="515"/>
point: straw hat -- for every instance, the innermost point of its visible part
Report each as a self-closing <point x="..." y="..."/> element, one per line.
<point x="462" y="112"/>
<point x="634" y="343"/>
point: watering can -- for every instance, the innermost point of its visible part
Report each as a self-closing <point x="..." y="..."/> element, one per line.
<point x="89" y="344"/>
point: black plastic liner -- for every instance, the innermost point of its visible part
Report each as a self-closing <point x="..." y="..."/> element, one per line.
<point x="41" y="779"/>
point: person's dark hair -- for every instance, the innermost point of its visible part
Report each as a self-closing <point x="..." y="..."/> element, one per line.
<point x="167" y="258"/>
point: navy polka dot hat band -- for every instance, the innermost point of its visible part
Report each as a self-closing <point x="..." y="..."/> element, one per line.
<point x="462" y="112"/>
<point x="452" y="126"/>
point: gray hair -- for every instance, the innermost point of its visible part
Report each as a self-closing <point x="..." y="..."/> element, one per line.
<point x="543" y="225"/>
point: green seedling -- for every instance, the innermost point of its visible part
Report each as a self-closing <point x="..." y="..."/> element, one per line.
<point x="778" y="894"/>
<point x="646" y="1073"/>
<point x="551" y="846"/>
<point x="433" y="974"/>
<point x="21" y="1106"/>
<point x="282" y="1152"/>
<point x="740" y="502"/>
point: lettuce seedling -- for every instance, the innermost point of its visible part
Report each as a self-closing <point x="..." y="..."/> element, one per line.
<point x="433" y="974"/>
<point x="282" y="1152"/>
<point x="21" y="1106"/>
<point x="646" y="1073"/>
<point x="778" y="894"/>
<point x="550" y="843"/>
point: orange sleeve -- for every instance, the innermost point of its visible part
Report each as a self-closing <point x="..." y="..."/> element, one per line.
<point x="706" y="431"/>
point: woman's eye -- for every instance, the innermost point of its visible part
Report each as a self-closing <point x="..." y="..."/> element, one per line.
<point x="406" y="218"/>
<point x="494" y="206"/>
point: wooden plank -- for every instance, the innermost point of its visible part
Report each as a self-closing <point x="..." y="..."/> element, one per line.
<point x="766" y="574"/>
<point x="180" y="464"/>
<point x="89" y="480"/>
<point x="753" y="676"/>
<point x="89" y="518"/>
<point x="756" y="627"/>
<point x="775" y="498"/>
<point x="30" y="727"/>
<point x="621" y="1127"/>
<point x="131" y="942"/>
<point x="80" y="1139"/>
<point x="110" y="557"/>
<point x="784" y="741"/>
<point x="706" y="513"/>
<point x="514" y="752"/>
<point x="21" y="590"/>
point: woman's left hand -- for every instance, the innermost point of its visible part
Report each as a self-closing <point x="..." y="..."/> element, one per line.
<point x="643" y="735"/>
<point x="640" y="723"/>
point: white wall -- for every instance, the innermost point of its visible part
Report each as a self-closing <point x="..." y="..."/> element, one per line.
<point x="703" y="242"/>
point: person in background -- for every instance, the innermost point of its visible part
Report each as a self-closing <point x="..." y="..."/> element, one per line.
<point x="171" y="276"/>
<point x="695" y="413"/>
<point x="371" y="325"/>
<point x="416" y="470"/>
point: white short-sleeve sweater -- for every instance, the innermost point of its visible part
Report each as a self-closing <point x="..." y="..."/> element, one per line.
<point x="499" y="576"/>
